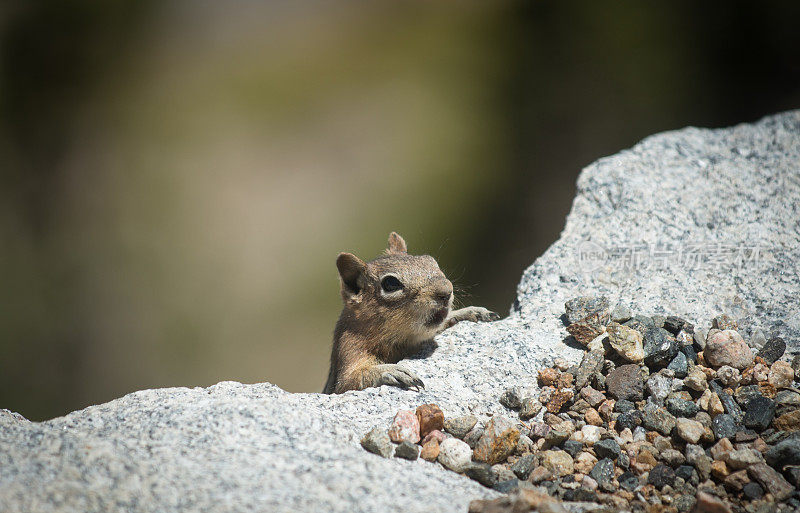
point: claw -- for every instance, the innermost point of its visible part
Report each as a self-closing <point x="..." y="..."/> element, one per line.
<point x="395" y="375"/>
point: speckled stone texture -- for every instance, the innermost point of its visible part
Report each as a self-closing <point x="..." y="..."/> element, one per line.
<point x="669" y="227"/>
<point x="237" y="448"/>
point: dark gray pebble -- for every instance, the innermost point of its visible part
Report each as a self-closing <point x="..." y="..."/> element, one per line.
<point x="407" y="450"/>
<point x="629" y="420"/>
<point x="523" y="466"/>
<point x="623" y="405"/>
<point x="681" y="407"/>
<point x="659" y="348"/>
<point x="724" y="426"/>
<point x="603" y="471"/>
<point x="674" y="324"/>
<point x="684" y="472"/>
<point x="608" y="448"/>
<point x="628" y="481"/>
<point x="753" y="491"/>
<point x="661" y="475"/>
<point x="482" y="473"/>
<point x="785" y="452"/>
<point x="572" y="447"/>
<point x="679" y="365"/>
<point x="772" y="350"/>
<point x="690" y="353"/>
<point x="759" y="413"/>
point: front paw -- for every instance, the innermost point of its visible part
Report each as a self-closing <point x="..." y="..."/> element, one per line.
<point x="472" y="313"/>
<point x="483" y="315"/>
<point x="396" y="376"/>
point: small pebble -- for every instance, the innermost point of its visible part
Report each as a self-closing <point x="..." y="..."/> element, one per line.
<point x="377" y="441"/>
<point x="592" y="417"/>
<point x="523" y="466"/>
<point x="627" y="342"/>
<point x="580" y="308"/>
<point x="661" y="476"/>
<point x="757" y="340"/>
<point x="772" y="350"/>
<point x="473" y="436"/>
<point x="430" y="451"/>
<point x="430" y="417"/>
<point x="759" y="413"/>
<point x="675" y="324"/>
<point x="684" y="503"/>
<point x="512" y="397"/>
<point x="656" y="418"/>
<point x="455" y="454"/>
<point x="625" y="382"/>
<point x="771" y="480"/>
<point x="438" y="435"/>
<point x="460" y="426"/>
<point x="482" y="473"/>
<point x="689" y="430"/>
<point x="707" y="503"/>
<point x="679" y="365"/>
<point x="530" y="408"/>
<point x="659" y="386"/>
<point x="781" y="375"/>
<point x="728" y="348"/>
<point x="407" y="450"/>
<point x="700" y="339"/>
<point x="753" y="491"/>
<point x="724" y="426"/>
<point x="608" y="448"/>
<point x="404" y="427"/>
<point x="558" y="462"/>
<point x="681" y="407"/>
<point x="572" y="447"/>
<point x="603" y="471"/>
<point x="499" y="439"/>
<point x="696" y="380"/>
<point x="728" y="376"/>
<point x="660" y="347"/>
<point x="623" y="406"/>
<point x="743" y="458"/>
<point x="506" y="486"/>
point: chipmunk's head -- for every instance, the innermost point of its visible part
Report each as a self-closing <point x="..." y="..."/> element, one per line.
<point x="402" y="295"/>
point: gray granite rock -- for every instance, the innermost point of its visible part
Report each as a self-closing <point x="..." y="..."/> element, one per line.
<point x="690" y="223"/>
<point x="659" y="224"/>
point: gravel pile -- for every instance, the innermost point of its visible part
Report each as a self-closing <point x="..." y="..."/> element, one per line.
<point x="658" y="417"/>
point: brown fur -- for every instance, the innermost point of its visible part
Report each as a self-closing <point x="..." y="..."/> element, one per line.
<point x="378" y="328"/>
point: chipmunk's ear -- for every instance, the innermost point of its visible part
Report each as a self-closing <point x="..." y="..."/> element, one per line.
<point x="351" y="268"/>
<point x="396" y="244"/>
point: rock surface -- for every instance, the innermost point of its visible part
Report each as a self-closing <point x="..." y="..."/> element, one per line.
<point x="692" y="222"/>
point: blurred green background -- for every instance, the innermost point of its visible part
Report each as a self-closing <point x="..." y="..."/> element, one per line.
<point x="178" y="177"/>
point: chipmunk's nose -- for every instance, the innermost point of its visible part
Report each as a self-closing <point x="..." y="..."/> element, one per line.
<point x="444" y="294"/>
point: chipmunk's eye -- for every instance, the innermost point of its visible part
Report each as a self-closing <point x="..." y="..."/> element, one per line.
<point x="390" y="283"/>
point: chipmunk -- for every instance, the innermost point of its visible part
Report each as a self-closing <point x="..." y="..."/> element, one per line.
<point x="391" y="306"/>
